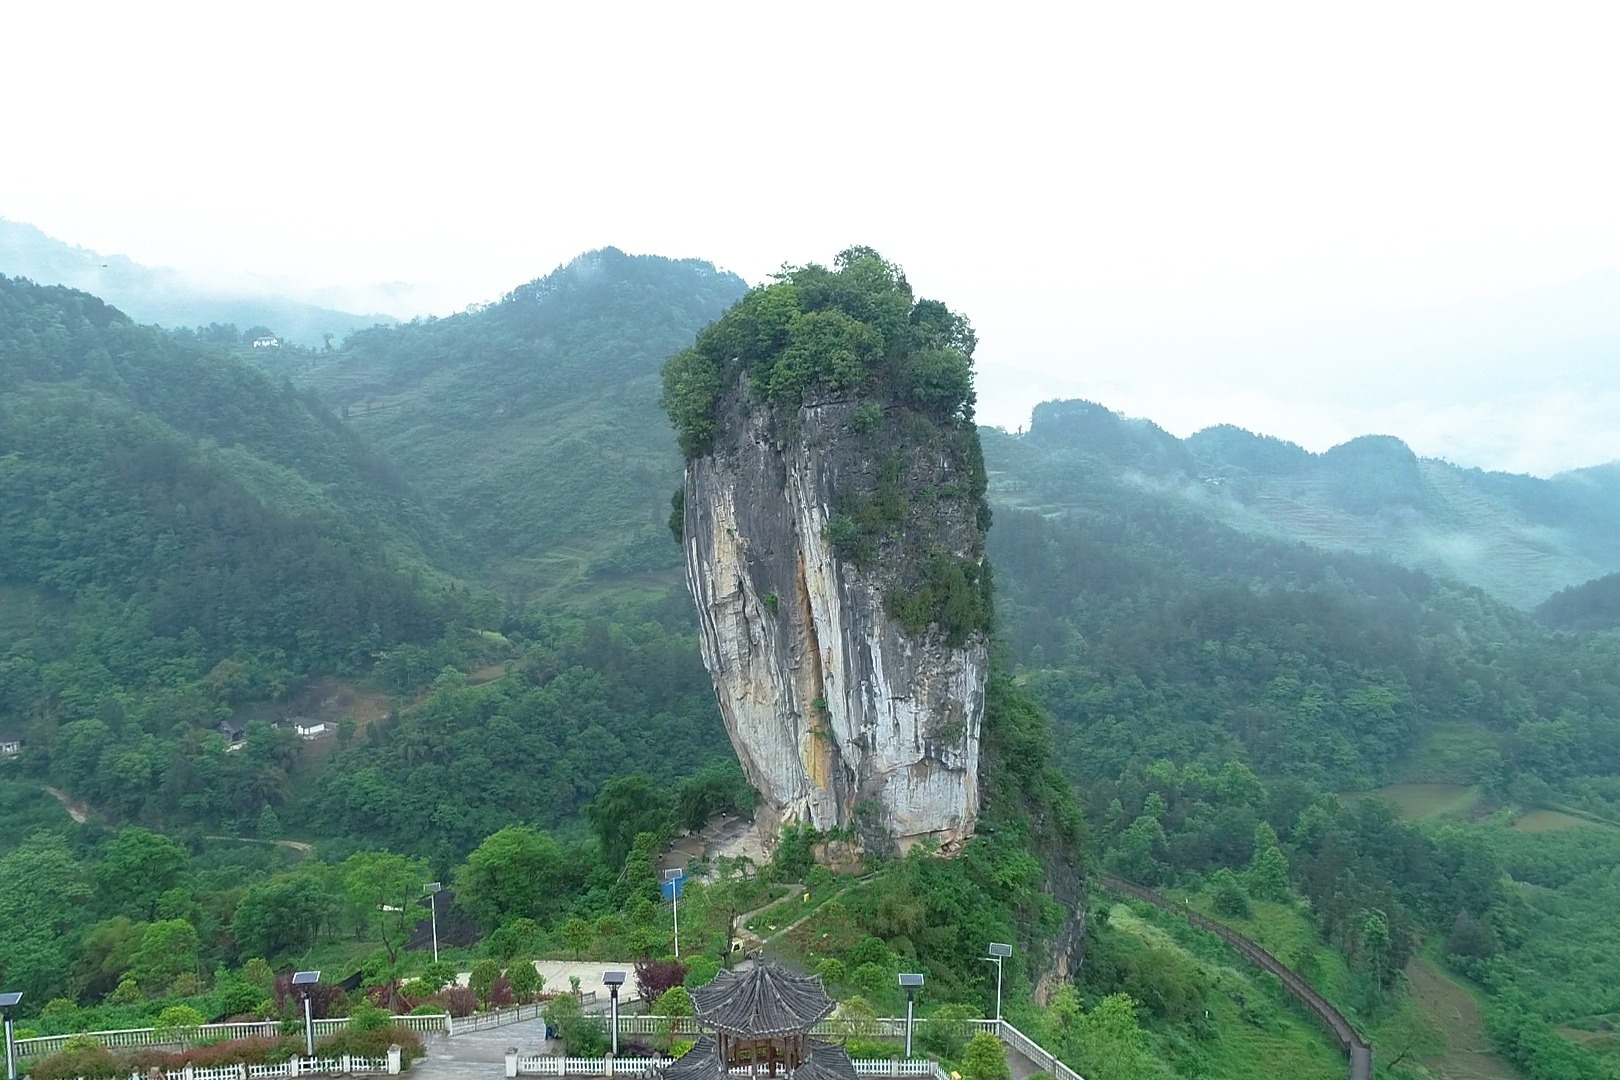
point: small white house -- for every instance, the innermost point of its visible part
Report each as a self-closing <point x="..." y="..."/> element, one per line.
<point x="266" y="343"/>
<point x="309" y="729"/>
<point x="10" y="745"/>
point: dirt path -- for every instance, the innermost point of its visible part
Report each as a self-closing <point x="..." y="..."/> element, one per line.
<point x="292" y="845"/>
<point x="78" y="811"/>
<point x="1453" y="1009"/>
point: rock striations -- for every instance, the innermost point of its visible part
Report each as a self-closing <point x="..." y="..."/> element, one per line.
<point x="834" y="543"/>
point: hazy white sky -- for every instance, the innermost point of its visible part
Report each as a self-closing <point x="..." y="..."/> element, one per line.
<point x="1128" y="199"/>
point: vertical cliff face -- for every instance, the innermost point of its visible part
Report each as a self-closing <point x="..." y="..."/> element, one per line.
<point x="833" y="521"/>
<point x="840" y="717"/>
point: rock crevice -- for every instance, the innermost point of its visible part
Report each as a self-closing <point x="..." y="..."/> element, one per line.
<point x="838" y="716"/>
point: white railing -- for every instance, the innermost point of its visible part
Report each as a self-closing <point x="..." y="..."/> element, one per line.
<point x="427" y="1024"/>
<point x="891" y="1027"/>
<point x="1037" y="1054"/>
<point x="344" y="1065"/>
<point x="558" y="1065"/>
<point x="495" y="1018"/>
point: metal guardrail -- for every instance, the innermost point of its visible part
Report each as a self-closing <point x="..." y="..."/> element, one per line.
<point x="1356" y="1048"/>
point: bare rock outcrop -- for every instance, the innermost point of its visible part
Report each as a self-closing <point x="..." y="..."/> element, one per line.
<point x="841" y="716"/>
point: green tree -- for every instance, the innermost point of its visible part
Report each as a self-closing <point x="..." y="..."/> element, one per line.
<point x="625" y="807"/>
<point x="1109" y="1044"/>
<point x="137" y="867"/>
<point x="515" y="873"/>
<point x="526" y="980"/>
<point x="482" y="979"/>
<point x="985" y="1058"/>
<point x="1267" y="875"/>
<point x="169" y="948"/>
<point x="383" y="889"/>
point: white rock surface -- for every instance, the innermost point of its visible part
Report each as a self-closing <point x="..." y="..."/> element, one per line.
<point x="838" y="717"/>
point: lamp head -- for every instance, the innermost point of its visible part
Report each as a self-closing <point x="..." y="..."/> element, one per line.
<point x="910" y="982"/>
<point x="9" y="1002"/>
<point x="304" y="981"/>
<point x="613" y="980"/>
<point x="1000" y="951"/>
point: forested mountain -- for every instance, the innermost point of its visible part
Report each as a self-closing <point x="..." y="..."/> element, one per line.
<point x="534" y="422"/>
<point x="1518" y="537"/>
<point x="180" y="536"/>
<point x="1593" y="605"/>
<point x="156" y="295"/>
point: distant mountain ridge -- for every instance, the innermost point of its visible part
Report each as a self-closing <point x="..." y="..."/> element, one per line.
<point x="534" y="422"/>
<point x="163" y="296"/>
<point x="1518" y="537"/>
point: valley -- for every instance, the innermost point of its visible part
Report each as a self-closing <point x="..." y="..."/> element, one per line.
<point x="1313" y="695"/>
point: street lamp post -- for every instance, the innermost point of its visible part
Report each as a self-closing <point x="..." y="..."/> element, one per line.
<point x="998" y="953"/>
<point x="433" y="888"/>
<point x="7" y="1003"/>
<point x="304" y="984"/>
<point x="673" y="882"/>
<point x="910" y="984"/>
<point x="613" y="980"/>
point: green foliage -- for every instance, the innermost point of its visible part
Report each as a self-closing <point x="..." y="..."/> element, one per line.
<point x="517" y="873"/>
<point x="534" y="422"/>
<point x="1230" y="901"/>
<point x="178" y="1022"/>
<point x="364" y="1016"/>
<point x="581" y="1035"/>
<point x="482" y="979"/>
<point x="985" y="1058"/>
<point x="168" y="949"/>
<point x="624" y="808"/>
<point x="525" y="979"/>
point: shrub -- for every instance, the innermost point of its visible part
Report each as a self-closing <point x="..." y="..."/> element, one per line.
<point x="655" y="977"/>
<point x="525" y="980"/>
<point x="500" y="993"/>
<point x="128" y="992"/>
<point x="428" y="1008"/>
<point x="368" y="1017"/>
<point x="458" y="1001"/>
<point x="874" y="979"/>
<point x="440" y="974"/>
<point x="1228" y="899"/>
<point x="945" y="1035"/>
<point x="417" y="990"/>
<point x="237" y="997"/>
<point x="178" y="1022"/>
<point x="700" y="971"/>
<point x="831" y="970"/>
<point x="482" y="979"/>
<point x="373" y="1043"/>
<point x="581" y="1037"/>
<point x="679" y="1049"/>
<point x="76" y="1059"/>
<point x="873" y="1048"/>
<point x="985" y="1059"/>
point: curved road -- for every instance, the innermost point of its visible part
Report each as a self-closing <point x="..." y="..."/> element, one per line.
<point x="1355" y="1047"/>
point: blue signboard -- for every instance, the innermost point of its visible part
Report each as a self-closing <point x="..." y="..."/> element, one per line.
<point x="673" y="887"/>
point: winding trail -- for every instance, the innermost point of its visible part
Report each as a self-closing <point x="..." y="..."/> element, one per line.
<point x="291" y="845"/>
<point x="76" y="810"/>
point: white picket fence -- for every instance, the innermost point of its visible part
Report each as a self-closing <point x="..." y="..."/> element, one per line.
<point x="343" y="1066"/>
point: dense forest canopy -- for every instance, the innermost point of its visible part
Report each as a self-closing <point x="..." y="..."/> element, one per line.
<point x="533" y="422"/>
<point x="186" y="540"/>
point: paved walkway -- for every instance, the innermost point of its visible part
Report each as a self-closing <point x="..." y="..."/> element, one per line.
<point x="481" y="1055"/>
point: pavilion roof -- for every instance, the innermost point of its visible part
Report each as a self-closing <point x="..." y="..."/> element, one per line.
<point x="824" y="1061"/>
<point x="764" y="1000"/>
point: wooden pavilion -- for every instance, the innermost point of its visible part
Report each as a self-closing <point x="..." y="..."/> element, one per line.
<point x="760" y="1020"/>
